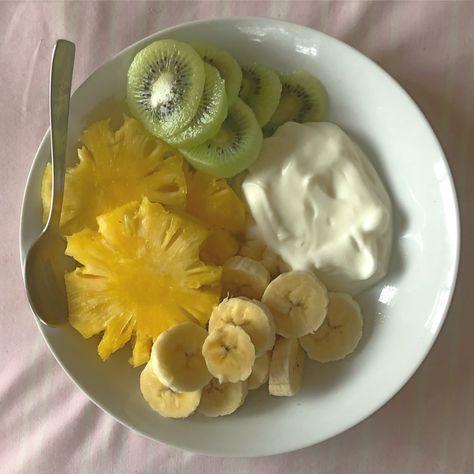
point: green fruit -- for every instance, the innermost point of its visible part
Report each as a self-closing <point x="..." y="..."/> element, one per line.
<point x="209" y="117"/>
<point x="260" y="90"/>
<point x="234" y="148"/>
<point x="165" y="85"/>
<point x="303" y="99"/>
<point x="227" y="66"/>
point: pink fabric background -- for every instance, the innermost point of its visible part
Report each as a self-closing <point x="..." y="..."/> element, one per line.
<point x="48" y="426"/>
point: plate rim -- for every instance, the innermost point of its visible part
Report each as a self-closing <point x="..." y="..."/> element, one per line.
<point x="453" y="194"/>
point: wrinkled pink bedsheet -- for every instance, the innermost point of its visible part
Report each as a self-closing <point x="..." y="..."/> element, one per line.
<point x="47" y="425"/>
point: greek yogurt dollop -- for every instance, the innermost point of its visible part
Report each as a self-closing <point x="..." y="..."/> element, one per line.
<point x="318" y="202"/>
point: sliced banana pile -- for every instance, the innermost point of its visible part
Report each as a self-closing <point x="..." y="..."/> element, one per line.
<point x="259" y="334"/>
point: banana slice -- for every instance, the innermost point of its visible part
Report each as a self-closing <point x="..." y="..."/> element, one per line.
<point x="286" y="368"/>
<point x="298" y="302"/>
<point x="177" y="360"/>
<point x="242" y="276"/>
<point x="222" y="399"/>
<point x="252" y="316"/>
<point x="260" y="371"/>
<point x="164" y="400"/>
<point x="229" y="354"/>
<point x="340" y="332"/>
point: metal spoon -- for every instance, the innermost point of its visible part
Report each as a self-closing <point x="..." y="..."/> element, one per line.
<point x="45" y="262"/>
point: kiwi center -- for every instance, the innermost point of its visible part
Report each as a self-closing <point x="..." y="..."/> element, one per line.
<point x="251" y="84"/>
<point x="162" y="90"/>
<point x="228" y="138"/>
<point x="224" y="137"/>
<point x="291" y="107"/>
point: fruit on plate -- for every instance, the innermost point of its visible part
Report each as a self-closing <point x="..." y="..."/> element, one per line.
<point x="177" y="360"/>
<point x="252" y="248"/>
<point x="141" y="274"/>
<point x="218" y="399"/>
<point x="227" y="66"/>
<point x="233" y="149"/>
<point x="229" y="354"/>
<point x="242" y="276"/>
<point x="214" y="202"/>
<point x="303" y="99"/>
<point x="260" y="90"/>
<point x="286" y="368"/>
<point x="116" y="168"/>
<point x="165" y="85"/>
<point x="211" y="113"/>
<point x="252" y="316"/>
<point x="256" y="250"/>
<point x="164" y="400"/>
<point x="273" y="263"/>
<point x="219" y="247"/>
<point x="260" y="371"/>
<point x="46" y="187"/>
<point x="298" y="302"/>
<point x="187" y="95"/>
<point x="340" y="332"/>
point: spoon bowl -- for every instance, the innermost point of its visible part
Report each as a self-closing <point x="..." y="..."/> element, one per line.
<point x="44" y="277"/>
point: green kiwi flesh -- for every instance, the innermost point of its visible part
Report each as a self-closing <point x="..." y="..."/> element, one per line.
<point x="164" y="86"/>
<point x="225" y="63"/>
<point x="211" y="113"/>
<point x="303" y="99"/>
<point x="260" y="90"/>
<point x="233" y="149"/>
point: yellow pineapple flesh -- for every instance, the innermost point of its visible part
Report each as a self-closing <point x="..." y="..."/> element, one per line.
<point x="213" y="201"/>
<point x="141" y="274"/>
<point x="116" y="168"/>
<point x="219" y="247"/>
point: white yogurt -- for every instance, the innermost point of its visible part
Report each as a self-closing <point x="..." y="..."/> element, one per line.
<point x="319" y="203"/>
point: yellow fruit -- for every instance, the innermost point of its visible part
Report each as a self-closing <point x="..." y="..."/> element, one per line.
<point x="219" y="247"/>
<point x="141" y="274"/>
<point x="212" y="200"/>
<point x="46" y="185"/>
<point x="114" y="169"/>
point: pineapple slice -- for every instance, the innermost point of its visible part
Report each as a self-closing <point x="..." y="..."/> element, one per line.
<point x="141" y="274"/>
<point x="213" y="201"/>
<point x="46" y="186"/>
<point x="114" y="169"/>
<point x="219" y="247"/>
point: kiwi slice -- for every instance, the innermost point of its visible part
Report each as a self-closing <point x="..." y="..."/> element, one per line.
<point x="209" y="117"/>
<point x="260" y="90"/>
<point x="227" y="66"/>
<point x="303" y="99"/>
<point x="165" y="85"/>
<point x="233" y="149"/>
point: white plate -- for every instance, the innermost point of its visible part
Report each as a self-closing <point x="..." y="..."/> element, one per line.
<point x="403" y="314"/>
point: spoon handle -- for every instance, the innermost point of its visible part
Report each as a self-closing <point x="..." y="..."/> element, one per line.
<point x="60" y="92"/>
